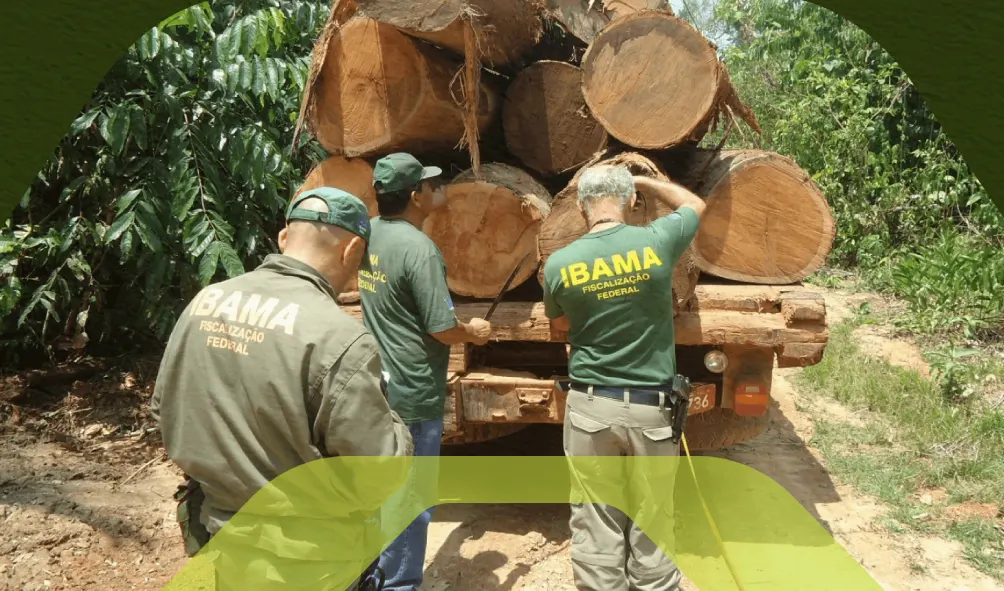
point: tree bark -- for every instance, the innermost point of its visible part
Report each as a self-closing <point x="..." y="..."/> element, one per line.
<point x="565" y="223"/>
<point x="380" y="91"/>
<point x="766" y="220"/>
<point x="507" y="29"/>
<point x="655" y="82"/>
<point x="585" y="23"/>
<point x="488" y="225"/>
<point x="547" y="123"/>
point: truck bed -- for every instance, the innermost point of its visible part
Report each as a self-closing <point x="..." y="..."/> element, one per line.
<point x="520" y="377"/>
<point x="789" y="319"/>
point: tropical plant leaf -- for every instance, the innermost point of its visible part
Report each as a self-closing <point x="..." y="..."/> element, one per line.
<point x="115" y="128"/>
<point x="231" y="262"/>
<point x="209" y="262"/>
<point x="120" y="225"/>
<point x="84" y="121"/>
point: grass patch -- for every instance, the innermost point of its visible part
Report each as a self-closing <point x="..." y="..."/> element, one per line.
<point x="984" y="544"/>
<point x="913" y="438"/>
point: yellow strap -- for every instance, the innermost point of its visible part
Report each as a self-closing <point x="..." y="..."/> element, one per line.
<point x="711" y="522"/>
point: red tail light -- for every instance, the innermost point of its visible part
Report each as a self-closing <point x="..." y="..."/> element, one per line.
<point x="751" y="399"/>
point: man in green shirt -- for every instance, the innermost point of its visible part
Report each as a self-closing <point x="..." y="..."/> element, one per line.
<point x="610" y="290"/>
<point x="406" y="303"/>
<point x="264" y="373"/>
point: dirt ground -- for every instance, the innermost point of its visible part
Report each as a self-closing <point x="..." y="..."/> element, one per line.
<point x="85" y="498"/>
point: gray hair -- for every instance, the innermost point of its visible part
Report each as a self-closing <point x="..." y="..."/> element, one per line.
<point x="605" y="181"/>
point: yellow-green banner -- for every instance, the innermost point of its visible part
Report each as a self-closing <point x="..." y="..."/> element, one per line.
<point x="319" y="526"/>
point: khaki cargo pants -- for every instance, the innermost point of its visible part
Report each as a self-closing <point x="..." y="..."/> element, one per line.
<point x="609" y="552"/>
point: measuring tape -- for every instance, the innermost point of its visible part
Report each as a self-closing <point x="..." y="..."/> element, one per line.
<point x="707" y="513"/>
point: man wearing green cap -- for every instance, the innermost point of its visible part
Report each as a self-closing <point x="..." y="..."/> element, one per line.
<point x="407" y="306"/>
<point x="264" y="372"/>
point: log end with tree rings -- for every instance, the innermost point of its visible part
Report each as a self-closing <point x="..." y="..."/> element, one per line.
<point x="766" y="220"/>
<point x="547" y="123"/>
<point x="380" y="91"/>
<point x="353" y="175"/>
<point x="652" y="80"/>
<point x="565" y="223"/>
<point x="487" y="226"/>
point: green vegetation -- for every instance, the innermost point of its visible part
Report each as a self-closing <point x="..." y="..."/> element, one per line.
<point x="174" y="174"/>
<point x="912" y="218"/>
<point x="912" y="440"/>
<point x="913" y="222"/>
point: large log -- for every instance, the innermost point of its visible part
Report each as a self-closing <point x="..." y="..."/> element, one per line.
<point x="655" y="82"/>
<point x="585" y="19"/>
<point x="488" y="225"/>
<point x="565" y="223"/>
<point x="353" y="175"/>
<point x="378" y="91"/>
<point x="547" y="123"/>
<point x="766" y="220"/>
<point x="506" y="29"/>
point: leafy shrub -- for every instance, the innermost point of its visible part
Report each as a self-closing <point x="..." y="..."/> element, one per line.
<point x="176" y="171"/>
<point x="830" y="97"/>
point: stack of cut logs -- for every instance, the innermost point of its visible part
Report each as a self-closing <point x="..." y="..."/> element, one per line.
<point x="559" y="86"/>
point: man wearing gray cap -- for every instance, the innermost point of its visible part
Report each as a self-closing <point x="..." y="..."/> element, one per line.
<point x="264" y="373"/>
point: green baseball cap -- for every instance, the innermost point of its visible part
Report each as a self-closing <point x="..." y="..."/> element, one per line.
<point x="400" y="171"/>
<point x="345" y="210"/>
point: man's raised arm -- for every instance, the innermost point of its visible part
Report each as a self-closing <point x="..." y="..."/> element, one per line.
<point x="669" y="193"/>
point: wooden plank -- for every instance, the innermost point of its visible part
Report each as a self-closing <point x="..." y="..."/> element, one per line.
<point x="491" y="395"/>
<point x="800" y="354"/>
<point x="741" y="328"/>
<point x="803" y="306"/>
<point x="707" y="296"/>
<point x="453" y="416"/>
<point x="525" y="321"/>
<point x="736" y="298"/>
<point x="460" y="358"/>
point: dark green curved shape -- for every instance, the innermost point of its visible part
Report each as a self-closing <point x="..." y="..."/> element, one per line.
<point x="56" y="52"/>
<point x="320" y="524"/>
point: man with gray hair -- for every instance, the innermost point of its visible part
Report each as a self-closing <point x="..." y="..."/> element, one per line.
<point x="610" y="290"/>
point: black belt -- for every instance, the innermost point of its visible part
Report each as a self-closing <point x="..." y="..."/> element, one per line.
<point x="646" y="395"/>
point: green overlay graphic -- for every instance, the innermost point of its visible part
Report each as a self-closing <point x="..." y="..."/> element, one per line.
<point x="318" y="526"/>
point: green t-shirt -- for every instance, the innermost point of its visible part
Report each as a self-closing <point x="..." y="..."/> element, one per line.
<point x="404" y="298"/>
<point x="615" y="287"/>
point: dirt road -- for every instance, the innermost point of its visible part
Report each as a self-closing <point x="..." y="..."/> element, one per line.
<point x="76" y="514"/>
